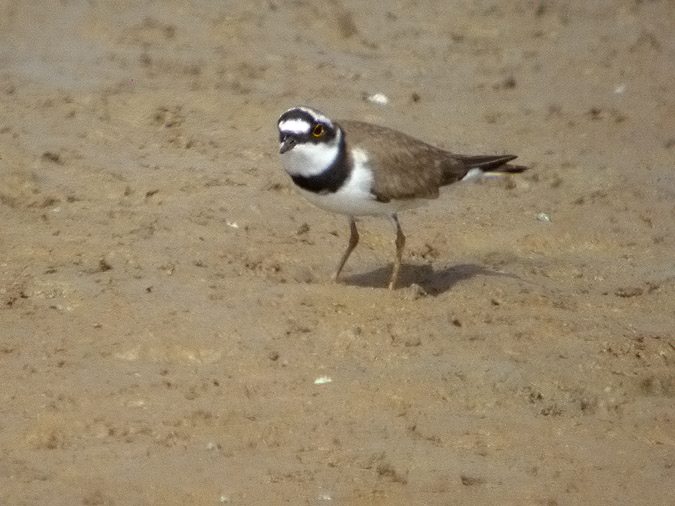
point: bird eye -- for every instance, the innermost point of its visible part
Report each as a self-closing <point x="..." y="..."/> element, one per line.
<point x="318" y="130"/>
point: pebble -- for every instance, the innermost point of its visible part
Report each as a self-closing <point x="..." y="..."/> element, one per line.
<point x="378" y="98"/>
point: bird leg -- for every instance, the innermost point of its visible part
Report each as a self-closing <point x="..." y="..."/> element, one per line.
<point x="400" y="243"/>
<point x="353" y="241"/>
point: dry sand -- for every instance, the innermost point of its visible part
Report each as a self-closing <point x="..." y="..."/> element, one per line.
<point x="165" y="303"/>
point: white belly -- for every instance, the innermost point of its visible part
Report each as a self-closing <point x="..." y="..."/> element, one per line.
<point x="354" y="198"/>
<point x="342" y="203"/>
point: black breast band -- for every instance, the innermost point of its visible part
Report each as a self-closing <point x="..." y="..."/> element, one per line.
<point x="331" y="179"/>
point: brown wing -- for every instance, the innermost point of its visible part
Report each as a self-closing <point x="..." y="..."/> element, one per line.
<point x="406" y="168"/>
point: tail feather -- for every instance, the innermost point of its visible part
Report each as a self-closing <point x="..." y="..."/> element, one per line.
<point x="492" y="163"/>
<point x="470" y="167"/>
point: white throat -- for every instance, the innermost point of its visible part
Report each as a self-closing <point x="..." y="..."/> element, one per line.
<point x="311" y="159"/>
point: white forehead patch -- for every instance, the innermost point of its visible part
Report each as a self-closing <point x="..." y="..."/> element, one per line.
<point x="316" y="114"/>
<point x="294" y="126"/>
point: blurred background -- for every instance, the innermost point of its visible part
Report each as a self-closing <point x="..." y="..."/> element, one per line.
<point x="168" y="333"/>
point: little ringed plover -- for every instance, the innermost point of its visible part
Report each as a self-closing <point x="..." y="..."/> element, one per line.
<point x="360" y="169"/>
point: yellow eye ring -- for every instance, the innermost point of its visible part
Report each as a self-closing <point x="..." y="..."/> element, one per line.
<point x="318" y="131"/>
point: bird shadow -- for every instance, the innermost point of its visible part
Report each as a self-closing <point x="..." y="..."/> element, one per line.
<point x="434" y="282"/>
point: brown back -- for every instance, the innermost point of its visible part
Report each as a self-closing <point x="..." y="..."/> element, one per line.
<point x="404" y="167"/>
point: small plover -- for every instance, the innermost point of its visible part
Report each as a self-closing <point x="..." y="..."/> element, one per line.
<point x="360" y="169"/>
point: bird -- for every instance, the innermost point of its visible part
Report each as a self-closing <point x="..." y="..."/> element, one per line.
<point x="355" y="168"/>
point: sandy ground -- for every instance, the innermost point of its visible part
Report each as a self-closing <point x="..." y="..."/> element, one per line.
<point x="165" y="303"/>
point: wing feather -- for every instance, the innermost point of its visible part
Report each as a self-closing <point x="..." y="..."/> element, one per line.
<point x="407" y="168"/>
<point x="403" y="167"/>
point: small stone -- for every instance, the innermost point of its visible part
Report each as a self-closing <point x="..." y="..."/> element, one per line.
<point x="415" y="292"/>
<point x="471" y="480"/>
<point x="103" y="265"/>
<point x="412" y="342"/>
<point x="626" y="292"/>
<point x="378" y="98"/>
<point x="52" y="157"/>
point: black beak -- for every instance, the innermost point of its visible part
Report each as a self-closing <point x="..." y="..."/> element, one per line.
<point x="286" y="144"/>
